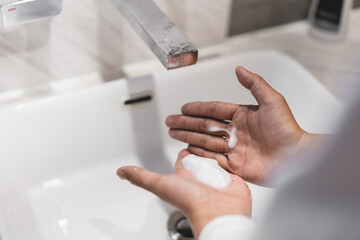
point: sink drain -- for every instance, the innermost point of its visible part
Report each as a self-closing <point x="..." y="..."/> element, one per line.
<point x="179" y="228"/>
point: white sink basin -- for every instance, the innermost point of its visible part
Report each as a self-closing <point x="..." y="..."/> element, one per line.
<point x="58" y="156"/>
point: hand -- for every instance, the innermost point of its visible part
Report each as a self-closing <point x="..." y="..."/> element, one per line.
<point x="263" y="131"/>
<point x="199" y="202"/>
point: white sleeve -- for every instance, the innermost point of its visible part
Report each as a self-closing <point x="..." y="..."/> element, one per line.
<point x="323" y="201"/>
<point x="229" y="227"/>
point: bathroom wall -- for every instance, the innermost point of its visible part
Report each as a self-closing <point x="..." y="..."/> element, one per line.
<point x="357" y="3"/>
<point x="250" y="15"/>
<point x="92" y="36"/>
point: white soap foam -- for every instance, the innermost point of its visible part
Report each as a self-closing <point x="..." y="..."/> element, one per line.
<point x="207" y="170"/>
<point x="232" y="134"/>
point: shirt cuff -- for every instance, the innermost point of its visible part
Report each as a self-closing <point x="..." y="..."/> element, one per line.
<point x="229" y="227"/>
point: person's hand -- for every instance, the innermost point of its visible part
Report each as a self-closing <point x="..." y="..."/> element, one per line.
<point x="263" y="131"/>
<point x="199" y="202"/>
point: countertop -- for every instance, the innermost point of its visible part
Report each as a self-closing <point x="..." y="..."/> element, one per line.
<point x="335" y="63"/>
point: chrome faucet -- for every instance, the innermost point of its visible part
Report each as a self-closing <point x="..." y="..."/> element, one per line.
<point x="164" y="39"/>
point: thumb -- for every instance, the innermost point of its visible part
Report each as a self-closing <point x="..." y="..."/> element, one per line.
<point x="145" y="179"/>
<point x="165" y="187"/>
<point x="260" y="89"/>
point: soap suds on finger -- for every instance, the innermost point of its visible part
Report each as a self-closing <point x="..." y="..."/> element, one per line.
<point x="232" y="134"/>
<point x="207" y="170"/>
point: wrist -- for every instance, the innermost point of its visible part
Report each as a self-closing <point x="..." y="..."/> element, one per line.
<point x="198" y="222"/>
<point x="201" y="217"/>
<point x="310" y="141"/>
<point x="304" y="141"/>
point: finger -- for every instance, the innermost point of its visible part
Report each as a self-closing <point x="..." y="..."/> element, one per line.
<point x="212" y="143"/>
<point x="259" y="88"/>
<point x="178" y="165"/>
<point x="216" y="110"/>
<point x="195" y="124"/>
<point x="145" y="179"/>
<point x="163" y="186"/>
<point x="220" y="158"/>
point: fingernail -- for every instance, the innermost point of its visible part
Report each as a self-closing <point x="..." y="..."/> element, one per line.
<point x="239" y="68"/>
<point x="169" y="120"/>
<point x="121" y="175"/>
<point x="184" y="108"/>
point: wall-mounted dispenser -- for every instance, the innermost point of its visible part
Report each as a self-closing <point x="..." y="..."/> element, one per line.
<point x="25" y="11"/>
<point x="329" y="18"/>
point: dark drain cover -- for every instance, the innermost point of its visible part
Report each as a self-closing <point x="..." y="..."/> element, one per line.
<point x="178" y="227"/>
<point x="183" y="227"/>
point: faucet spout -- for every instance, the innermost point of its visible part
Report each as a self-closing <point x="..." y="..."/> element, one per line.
<point x="164" y="39"/>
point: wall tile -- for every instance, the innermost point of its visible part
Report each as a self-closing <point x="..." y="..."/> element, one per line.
<point x="357" y="3"/>
<point x="250" y="15"/>
<point x="92" y="36"/>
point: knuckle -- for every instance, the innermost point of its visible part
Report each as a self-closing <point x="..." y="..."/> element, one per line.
<point x="224" y="146"/>
<point x="202" y="123"/>
<point x="203" y="141"/>
<point x="280" y="97"/>
<point x="203" y="126"/>
<point x="253" y="108"/>
<point x="258" y="78"/>
<point x="183" y="122"/>
<point x="186" y="138"/>
<point x="212" y="109"/>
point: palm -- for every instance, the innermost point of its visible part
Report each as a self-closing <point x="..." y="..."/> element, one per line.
<point x="263" y="131"/>
<point x="198" y="201"/>
<point x="183" y="187"/>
